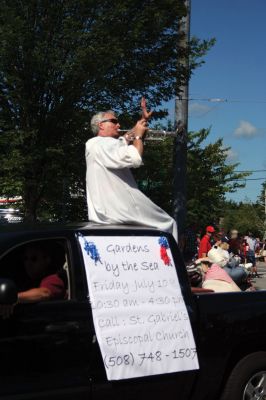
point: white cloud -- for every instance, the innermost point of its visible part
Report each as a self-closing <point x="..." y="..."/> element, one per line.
<point x="232" y="156"/>
<point x="246" y="130"/>
<point x="197" y="109"/>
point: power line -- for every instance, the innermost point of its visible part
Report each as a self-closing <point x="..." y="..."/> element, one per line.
<point x="248" y="179"/>
<point x="220" y="100"/>
<point x="252" y="171"/>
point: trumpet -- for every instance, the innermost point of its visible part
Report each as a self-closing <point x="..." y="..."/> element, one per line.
<point x="153" y="134"/>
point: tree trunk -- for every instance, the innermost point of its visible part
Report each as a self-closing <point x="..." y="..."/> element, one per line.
<point x="31" y="201"/>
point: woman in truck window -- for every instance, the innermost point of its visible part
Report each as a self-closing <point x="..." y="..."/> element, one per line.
<point x="45" y="281"/>
<point x="37" y="270"/>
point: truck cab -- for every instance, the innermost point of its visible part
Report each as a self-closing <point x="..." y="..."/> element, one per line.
<point x="54" y="349"/>
<point x="50" y="347"/>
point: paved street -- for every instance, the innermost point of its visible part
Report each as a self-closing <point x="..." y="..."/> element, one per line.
<point x="260" y="283"/>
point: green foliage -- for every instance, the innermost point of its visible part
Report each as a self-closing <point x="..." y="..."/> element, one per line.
<point x="245" y="217"/>
<point x="261" y="204"/>
<point x="209" y="177"/>
<point x="198" y="49"/>
<point x="262" y="199"/>
<point x="155" y="177"/>
<point x="60" y="61"/>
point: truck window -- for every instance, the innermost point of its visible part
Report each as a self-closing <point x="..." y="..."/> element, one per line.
<point x="38" y="264"/>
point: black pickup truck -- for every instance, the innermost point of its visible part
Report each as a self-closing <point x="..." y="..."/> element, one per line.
<point x="49" y="350"/>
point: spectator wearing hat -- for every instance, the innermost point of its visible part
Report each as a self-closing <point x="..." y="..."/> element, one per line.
<point x="224" y="246"/>
<point x="232" y="266"/>
<point x="214" y="276"/>
<point x="205" y="243"/>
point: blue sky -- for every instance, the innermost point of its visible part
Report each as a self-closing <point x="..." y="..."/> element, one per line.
<point x="234" y="71"/>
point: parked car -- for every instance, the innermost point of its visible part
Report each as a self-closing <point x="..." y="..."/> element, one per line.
<point x="48" y="349"/>
<point x="10" y="215"/>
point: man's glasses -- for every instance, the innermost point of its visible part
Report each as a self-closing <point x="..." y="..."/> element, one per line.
<point x="113" y="120"/>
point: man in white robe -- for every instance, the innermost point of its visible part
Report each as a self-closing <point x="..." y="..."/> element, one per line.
<point x="112" y="193"/>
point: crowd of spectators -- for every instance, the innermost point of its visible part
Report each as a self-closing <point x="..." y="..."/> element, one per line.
<point x="231" y="257"/>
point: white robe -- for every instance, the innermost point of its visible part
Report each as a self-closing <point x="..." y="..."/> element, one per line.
<point x="112" y="193"/>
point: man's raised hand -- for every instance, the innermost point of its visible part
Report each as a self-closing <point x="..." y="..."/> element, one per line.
<point x="145" y="114"/>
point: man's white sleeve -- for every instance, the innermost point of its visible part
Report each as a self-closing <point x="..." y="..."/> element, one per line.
<point x="116" y="154"/>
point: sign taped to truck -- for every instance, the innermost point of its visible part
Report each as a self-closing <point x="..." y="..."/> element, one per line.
<point x="140" y="317"/>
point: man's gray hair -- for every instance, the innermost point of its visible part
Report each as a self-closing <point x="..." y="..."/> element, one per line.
<point x="97" y="118"/>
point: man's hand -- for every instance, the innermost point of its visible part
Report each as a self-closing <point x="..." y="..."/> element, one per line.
<point x="140" y="128"/>
<point x="129" y="136"/>
<point x="145" y="114"/>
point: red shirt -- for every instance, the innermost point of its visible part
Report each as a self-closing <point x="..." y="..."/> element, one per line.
<point x="205" y="246"/>
<point x="55" y="284"/>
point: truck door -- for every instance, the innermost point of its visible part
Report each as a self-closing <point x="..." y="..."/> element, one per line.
<point x="45" y="346"/>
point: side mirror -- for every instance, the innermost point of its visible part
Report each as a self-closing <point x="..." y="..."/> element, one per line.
<point x="8" y="292"/>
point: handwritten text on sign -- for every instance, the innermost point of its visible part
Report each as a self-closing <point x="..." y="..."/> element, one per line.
<point x="140" y="317"/>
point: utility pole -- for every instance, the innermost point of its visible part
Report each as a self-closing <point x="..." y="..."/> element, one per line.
<point x="265" y="213"/>
<point x="181" y="123"/>
<point x="265" y="203"/>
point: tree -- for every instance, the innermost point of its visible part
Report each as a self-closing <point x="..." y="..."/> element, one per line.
<point x="262" y="200"/>
<point x="262" y="208"/>
<point x="246" y="216"/>
<point x="156" y="179"/>
<point x="209" y="177"/>
<point x="243" y="216"/>
<point x="59" y="62"/>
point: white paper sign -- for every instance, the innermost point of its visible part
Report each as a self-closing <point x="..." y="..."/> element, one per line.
<point x="140" y="317"/>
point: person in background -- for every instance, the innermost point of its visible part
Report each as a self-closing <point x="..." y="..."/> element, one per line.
<point x="258" y="247"/>
<point x="263" y="250"/>
<point x="251" y="241"/>
<point x="244" y="249"/>
<point x="113" y="196"/>
<point x="232" y="265"/>
<point x="214" y="276"/>
<point x="224" y="247"/>
<point x="205" y="243"/>
<point x="234" y="242"/>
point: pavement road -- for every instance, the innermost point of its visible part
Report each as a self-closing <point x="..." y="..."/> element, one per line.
<point x="260" y="283"/>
